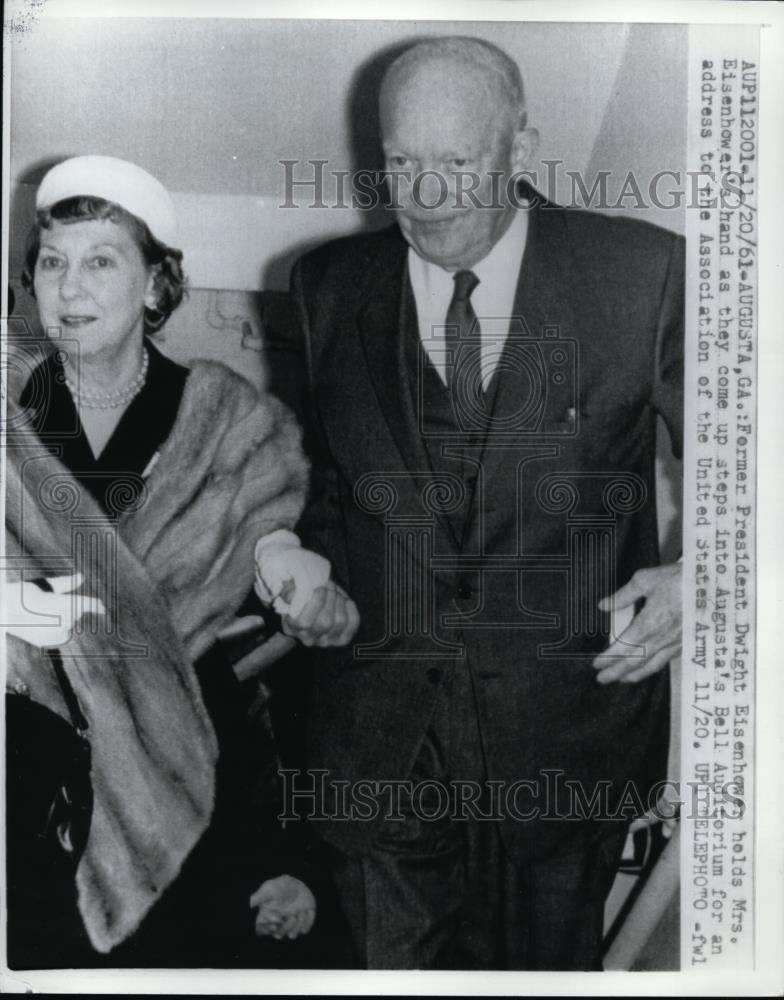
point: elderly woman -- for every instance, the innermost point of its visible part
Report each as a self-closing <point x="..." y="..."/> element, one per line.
<point x="137" y="491"/>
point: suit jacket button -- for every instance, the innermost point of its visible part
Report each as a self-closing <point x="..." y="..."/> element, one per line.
<point x="434" y="675"/>
<point x="464" y="590"/>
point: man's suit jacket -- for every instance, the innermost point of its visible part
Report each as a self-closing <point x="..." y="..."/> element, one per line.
<point x="563" y="512"/>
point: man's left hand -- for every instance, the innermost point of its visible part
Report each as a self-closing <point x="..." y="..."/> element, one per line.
<point x="657" y="628"/>
<point x="330" y="618"/>
<point x="666" y="811"/>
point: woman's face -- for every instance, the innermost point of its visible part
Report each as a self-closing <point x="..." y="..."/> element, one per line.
<point x="91" y="283"/>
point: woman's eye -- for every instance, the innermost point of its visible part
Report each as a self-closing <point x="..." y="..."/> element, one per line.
<point x="458" y="163"/>
<point x="101" y="263"/>
<point x="397" y="162"/>
<point x="48" y="263"/>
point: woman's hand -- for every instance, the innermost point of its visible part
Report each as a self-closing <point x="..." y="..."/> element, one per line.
<point x="286" y="574"/>
<point x="330" y="618"/>
<point x="313" y="608"/>
<point x="286" y="908"/>
<point x="46" y="618"/>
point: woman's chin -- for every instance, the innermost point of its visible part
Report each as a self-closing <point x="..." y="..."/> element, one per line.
<point x="88" y="341"/>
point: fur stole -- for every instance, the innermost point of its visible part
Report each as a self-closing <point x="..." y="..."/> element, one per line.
<point x="172" y="572"/>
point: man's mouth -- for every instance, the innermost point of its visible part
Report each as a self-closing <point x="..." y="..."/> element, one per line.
<point x="433" y="222"/>
<point x="72" y="320"/>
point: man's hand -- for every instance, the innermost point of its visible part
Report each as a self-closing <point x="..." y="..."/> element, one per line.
<point x="330" y="618"/>
<point x="286" y="907"/>
<point x="666" y="812"/>
<point x="657" y="628"/>
<point x="46" y="618"/>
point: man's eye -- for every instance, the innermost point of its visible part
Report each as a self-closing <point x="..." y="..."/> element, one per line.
<point x="458" y="163"/>
<point x="398" y="162"/>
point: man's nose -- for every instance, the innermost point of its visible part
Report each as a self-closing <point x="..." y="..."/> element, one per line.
<point x="71" y="284"/>
<point x="431" y="189"/>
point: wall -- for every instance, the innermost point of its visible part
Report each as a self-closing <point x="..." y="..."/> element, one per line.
<point x="211" y="107"/>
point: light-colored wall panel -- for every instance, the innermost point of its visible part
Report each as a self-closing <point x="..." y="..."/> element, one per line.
<point x="212" y="107"/>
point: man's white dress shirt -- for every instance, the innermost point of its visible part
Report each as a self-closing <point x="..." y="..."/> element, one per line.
<point x="492" y="299"/>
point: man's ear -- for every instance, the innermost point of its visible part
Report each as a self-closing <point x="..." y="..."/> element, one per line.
<point x="524" y="146"/>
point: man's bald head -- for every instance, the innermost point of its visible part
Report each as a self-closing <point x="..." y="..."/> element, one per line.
<point x="495" y="76"/>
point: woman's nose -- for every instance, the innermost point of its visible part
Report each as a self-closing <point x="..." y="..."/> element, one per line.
<point x="71" y="285"/>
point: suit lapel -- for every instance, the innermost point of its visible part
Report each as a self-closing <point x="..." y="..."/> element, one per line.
<point x="380" y="325"/>
<point x="381" y="322"/>
<point x="543" y="306"/>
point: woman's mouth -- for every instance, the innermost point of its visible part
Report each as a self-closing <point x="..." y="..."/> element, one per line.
<point x="73" y="320"/>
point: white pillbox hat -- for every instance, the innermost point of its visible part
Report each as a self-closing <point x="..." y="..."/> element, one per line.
<point x="117" y="181"/>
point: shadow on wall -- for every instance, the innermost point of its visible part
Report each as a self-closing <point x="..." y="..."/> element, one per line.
<point x="364" y="123"/>
<point x="651" y="144"/>
<point x="364" y="128"/>
<point x="22" y="209"/>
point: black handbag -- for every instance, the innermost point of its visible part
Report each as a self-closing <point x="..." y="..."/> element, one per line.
<point x="49" y="804"/>
<point x="49" y="798"/>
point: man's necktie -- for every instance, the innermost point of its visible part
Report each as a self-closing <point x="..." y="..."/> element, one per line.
<point x="463" y="338"/>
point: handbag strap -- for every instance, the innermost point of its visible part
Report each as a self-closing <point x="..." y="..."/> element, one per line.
<point x="80" y="723"/>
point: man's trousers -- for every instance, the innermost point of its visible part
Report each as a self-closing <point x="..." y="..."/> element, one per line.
<point x="437" y="890"/>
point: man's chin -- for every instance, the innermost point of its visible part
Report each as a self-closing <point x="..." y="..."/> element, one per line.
<point x="435" y="250"/>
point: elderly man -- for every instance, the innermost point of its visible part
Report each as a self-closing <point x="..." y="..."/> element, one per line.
<point x="485" y="378"/>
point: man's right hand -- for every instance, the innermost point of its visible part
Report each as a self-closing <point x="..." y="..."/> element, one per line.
<point x="330" y="618"/>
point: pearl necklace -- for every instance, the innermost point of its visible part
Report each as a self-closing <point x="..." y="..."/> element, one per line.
<point x="111" y="400"/>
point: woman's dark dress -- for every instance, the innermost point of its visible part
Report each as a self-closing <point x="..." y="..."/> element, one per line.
<point x="204" y="918"/>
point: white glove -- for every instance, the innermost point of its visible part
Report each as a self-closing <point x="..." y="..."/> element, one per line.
<point x="43" y="618"/>
<point x="286" y="907"/>
<point x="286" y="574"/>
